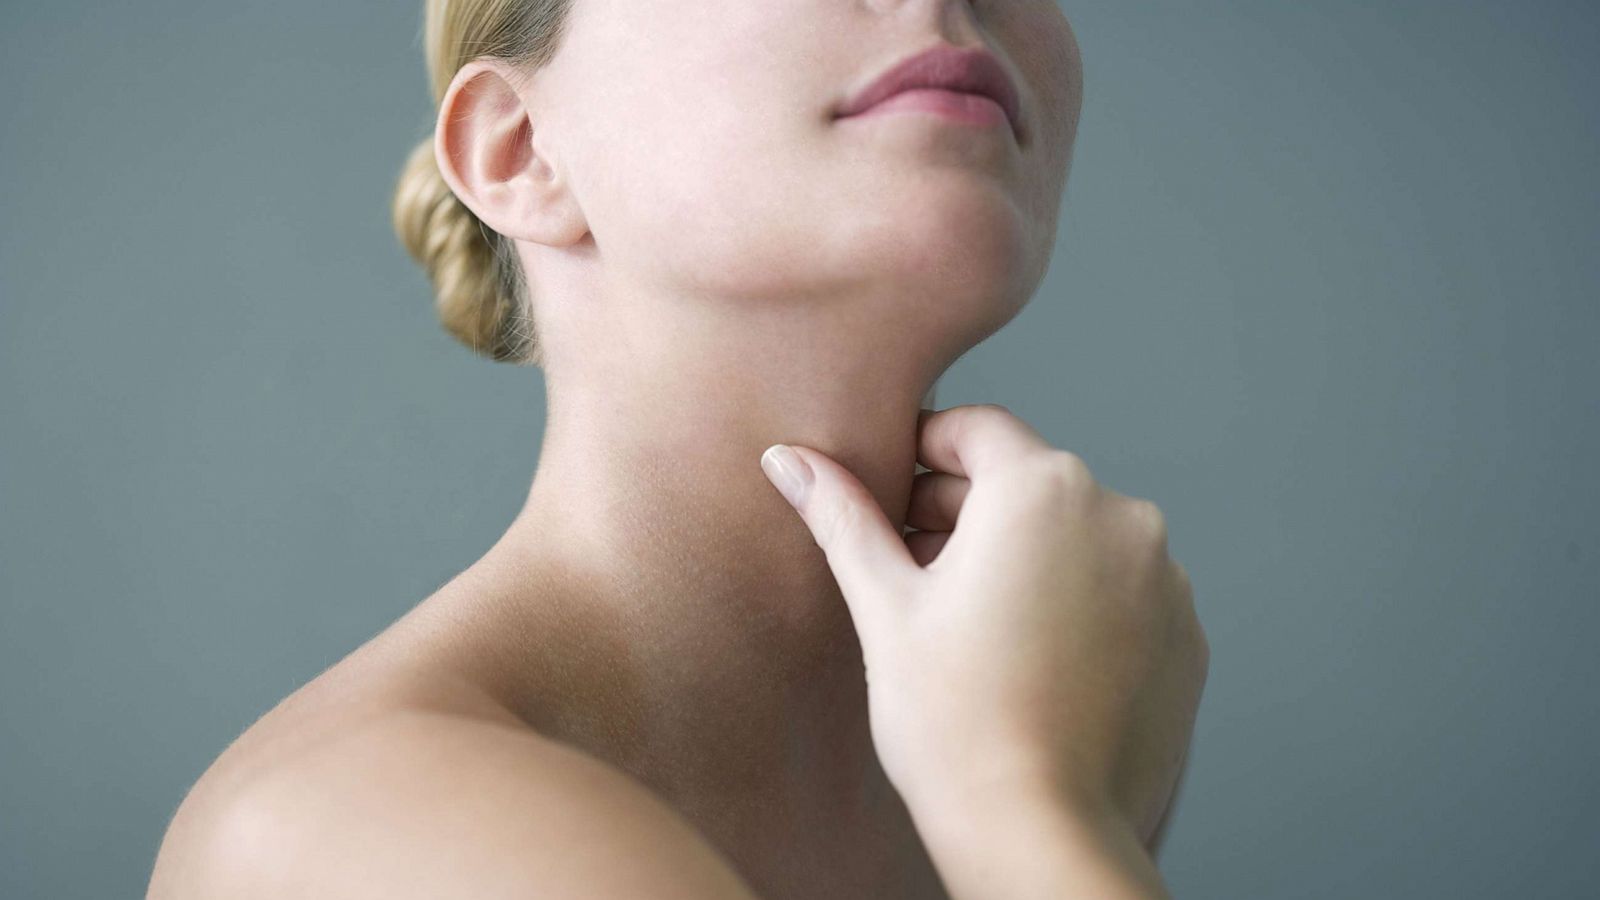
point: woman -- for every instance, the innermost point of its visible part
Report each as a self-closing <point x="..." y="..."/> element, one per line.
<point x="694" y="218"/>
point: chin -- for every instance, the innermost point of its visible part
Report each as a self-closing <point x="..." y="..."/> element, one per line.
<point x="960" y="240"/>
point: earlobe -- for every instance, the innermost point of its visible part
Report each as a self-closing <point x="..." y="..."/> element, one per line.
<point x="483" y="143"/>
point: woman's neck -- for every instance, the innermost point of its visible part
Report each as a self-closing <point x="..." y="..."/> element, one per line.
<point x="728" y="655"/>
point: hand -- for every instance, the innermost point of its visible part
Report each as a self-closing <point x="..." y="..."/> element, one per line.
<point x="1048" y="640"/>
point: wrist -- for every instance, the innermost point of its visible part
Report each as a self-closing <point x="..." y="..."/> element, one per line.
<point x="1032" y="838"/>
<point x="999" y="786"/>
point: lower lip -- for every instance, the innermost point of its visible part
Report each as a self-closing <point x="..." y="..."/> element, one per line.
<point x="973" y="109"/>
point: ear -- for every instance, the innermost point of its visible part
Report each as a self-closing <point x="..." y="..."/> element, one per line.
<point x="483" y="143"/>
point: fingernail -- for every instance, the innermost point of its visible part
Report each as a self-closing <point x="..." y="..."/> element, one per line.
<point x="787" y="472"/>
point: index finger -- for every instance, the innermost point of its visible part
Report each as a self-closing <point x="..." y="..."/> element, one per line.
<point x="967" y="440"/>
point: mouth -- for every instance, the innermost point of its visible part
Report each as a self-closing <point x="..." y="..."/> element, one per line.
<point x="965" y="81"/>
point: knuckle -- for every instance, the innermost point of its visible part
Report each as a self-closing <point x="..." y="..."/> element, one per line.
<point x="1184" y="584"/>
<point x="1184" y="596"/>
<point x="1052" y="479"/>
<point x="1066" y="469"/>
<point x="1151" y="520"/>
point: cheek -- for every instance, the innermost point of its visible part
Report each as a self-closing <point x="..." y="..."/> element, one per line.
<point x="703" y="175"/>
<point x="719" y="205"/>
<point x="712" y="198"/>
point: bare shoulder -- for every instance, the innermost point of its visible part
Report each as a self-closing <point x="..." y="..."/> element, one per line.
<point x="425" y="803"/>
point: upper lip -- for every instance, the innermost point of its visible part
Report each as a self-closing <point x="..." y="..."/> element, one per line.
<point x="972" y="70"/>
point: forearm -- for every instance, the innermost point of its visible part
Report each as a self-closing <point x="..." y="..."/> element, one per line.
<point x="1029" y="844"/>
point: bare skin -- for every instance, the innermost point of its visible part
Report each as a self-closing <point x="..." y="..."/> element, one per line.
<point x="806" y="814"/>
<point x="656" y="647"/>
<point x="373" y="782"/>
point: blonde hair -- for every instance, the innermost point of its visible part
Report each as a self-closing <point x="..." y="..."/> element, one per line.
<point x="479" y="288"/>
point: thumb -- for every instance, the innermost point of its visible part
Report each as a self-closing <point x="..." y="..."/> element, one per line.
<point x="868" y="557"/>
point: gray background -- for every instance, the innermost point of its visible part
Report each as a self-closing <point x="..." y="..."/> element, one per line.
<point x="1326" y="290"/>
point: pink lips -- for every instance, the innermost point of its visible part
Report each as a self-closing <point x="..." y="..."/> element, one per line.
<point x="964" y="83"/>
